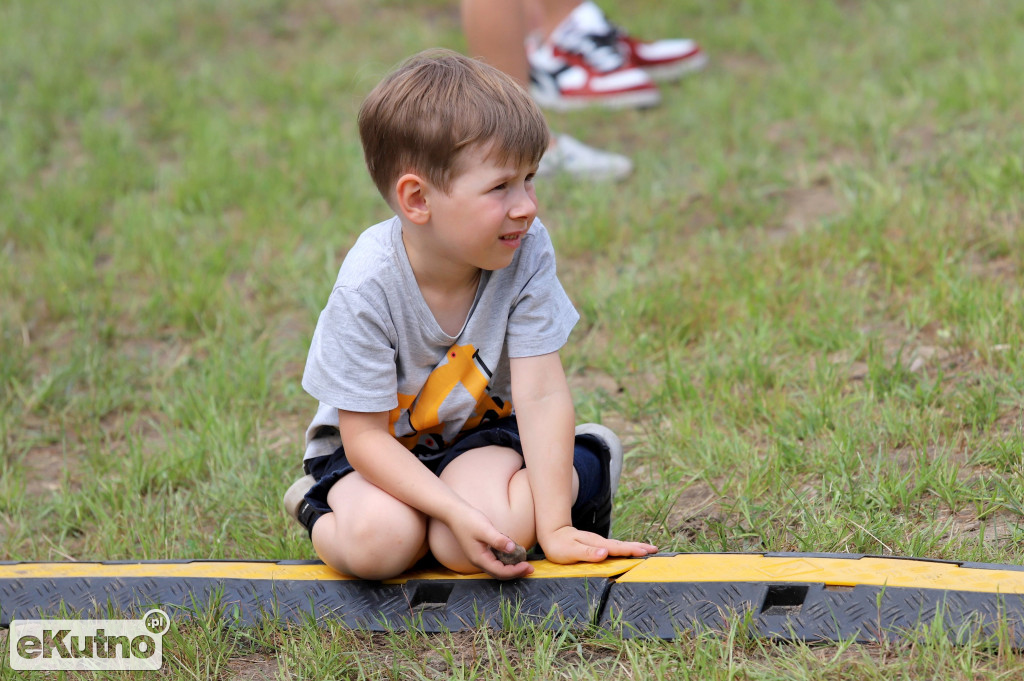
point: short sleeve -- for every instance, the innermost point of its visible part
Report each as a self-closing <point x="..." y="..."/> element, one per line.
<point x="351" y="362"/>
<point x="542" y="316"/>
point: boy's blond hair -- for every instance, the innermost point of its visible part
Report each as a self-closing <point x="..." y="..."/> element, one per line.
<point x="435" y="105"/>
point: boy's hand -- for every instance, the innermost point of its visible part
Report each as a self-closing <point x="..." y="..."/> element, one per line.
<point x="569" y="545"/>
<point x="477" y="536"/>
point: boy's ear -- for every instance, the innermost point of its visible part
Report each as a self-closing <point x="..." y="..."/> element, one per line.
<point x="411" y="197"/>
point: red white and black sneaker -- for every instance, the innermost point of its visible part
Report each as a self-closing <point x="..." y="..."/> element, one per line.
<point x="586" y="32"/>
<point x="563" y="81"/>
<point x="664" y="59"/>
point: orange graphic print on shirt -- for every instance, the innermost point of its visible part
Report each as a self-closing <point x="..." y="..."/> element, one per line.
<point x="462" y="367"/>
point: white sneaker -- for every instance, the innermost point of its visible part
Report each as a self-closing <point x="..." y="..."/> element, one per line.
<point x="571" y="157"/>
<point x="296" y="493"/>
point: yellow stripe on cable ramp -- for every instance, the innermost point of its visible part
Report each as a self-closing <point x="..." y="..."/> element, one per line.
<point x="854" y="571"/>
<point x="274" y="571"/>
<point x="695" y="568"/>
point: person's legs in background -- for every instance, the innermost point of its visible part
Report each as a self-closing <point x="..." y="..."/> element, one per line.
<point x="496" y="31"/>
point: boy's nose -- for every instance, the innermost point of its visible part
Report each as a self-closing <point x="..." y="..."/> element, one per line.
<point x="524" y="206"/>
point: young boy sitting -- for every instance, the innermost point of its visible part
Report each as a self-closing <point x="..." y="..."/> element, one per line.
<point x="442" y="318"/>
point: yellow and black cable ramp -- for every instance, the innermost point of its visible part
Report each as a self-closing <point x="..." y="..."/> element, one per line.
<point x="789" y="596"/>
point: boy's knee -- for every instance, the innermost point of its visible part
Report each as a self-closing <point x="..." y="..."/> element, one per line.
<point x="377" y="565"/>
<point x="371" y="546"/>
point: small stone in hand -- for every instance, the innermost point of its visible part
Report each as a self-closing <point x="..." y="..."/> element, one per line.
<point x="516" y="555"/>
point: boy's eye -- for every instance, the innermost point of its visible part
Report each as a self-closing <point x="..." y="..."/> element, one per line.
<point x="503" y="185"/>
<point x="529" y="178"/>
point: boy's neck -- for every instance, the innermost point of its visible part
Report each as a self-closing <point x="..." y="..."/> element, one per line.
<point x="449" y="293"/>
<point x="435" y="275"/>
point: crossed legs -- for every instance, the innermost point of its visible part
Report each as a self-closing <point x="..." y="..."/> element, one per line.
<point x="372" y="535"/>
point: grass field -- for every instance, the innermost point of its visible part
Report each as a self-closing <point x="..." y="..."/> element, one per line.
<point x="804" y="311"/>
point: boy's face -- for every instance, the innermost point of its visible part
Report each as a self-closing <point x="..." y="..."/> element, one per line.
<point x="481" y="222"/>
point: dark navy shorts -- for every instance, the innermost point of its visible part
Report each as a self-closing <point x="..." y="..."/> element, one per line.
<point x="504" y="432"/>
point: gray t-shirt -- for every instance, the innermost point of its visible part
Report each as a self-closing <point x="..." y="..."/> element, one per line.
<point x="377" y="346"/>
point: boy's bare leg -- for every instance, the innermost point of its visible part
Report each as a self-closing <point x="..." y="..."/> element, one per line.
<point x="492" y="480"/>
<point x="370" y="534"/>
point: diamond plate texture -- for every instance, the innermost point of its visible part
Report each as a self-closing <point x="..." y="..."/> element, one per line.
<point x="810" y="612"/>
<point x="659" y="596"/>
<point x="429" y="605"/>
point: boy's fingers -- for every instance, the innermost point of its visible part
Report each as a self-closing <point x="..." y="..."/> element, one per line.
<point x="517" y="571"/>
<point x="495" y="568"/>
<point x="503" y="543"/>
<point x="637" y="550"/>
<point x="622" y="548"/>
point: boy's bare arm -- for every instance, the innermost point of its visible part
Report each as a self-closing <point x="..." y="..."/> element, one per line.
<point x="546" y="418"/>
<point x="379" y="458"/>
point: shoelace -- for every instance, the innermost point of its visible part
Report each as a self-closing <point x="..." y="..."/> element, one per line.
<point x="602" y="51"/>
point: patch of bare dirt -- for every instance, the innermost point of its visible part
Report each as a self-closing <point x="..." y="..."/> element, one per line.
<point x="697" y="215"/>
<point x="45" y="467"/>
<point x="806" y="207"/>
<point x="927" y="350"/>
<point x="916" y="144"/>
<point x="594" y="380"/>
<point x="856" y="370"/>
<point x="915" y="360"/>
<point x="1011" y="421"/>
<point x="252" y="668"/>
<point x="693" y="509"/>
<point x="66" y="153"/>
<point x="1001" y="269"/>
<point x="994" y="529"/>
